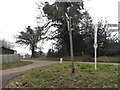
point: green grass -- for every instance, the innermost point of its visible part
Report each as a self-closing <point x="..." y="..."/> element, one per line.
<point x="82" y="59"/>
<point x="108" y="59"/>
<point x="16" y="64"/>
<point x="60" y="76"/>
<point x="67" y="58"/>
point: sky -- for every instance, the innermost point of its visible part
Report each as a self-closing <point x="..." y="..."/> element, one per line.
<point x="103" y="8"/>
<point x="15" y="15"/>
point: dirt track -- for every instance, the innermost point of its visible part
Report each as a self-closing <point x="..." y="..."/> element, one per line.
<point x="12" y="73"/>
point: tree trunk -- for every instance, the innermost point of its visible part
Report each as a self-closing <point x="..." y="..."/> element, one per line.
<point x="33" y="52"/>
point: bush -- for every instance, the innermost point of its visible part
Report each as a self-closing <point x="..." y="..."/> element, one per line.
<point x="87" y="58"/>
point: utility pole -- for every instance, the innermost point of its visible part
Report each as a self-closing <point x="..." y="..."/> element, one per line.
<point x="71" y="42"/>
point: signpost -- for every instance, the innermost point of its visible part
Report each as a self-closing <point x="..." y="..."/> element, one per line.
<point x="95" y="40"/>
<point x="95" y="45"/>
<point x="113" y="25"/>
<point x="119" y="31"/>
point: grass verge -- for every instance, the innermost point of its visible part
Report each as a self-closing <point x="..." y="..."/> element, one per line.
<point x="60" y="76"/>
<point x="16" y="64"/>
<point x="108" y="59"/>
<point x="86" y="58"/>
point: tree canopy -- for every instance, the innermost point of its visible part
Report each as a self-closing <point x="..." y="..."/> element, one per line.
<point x="6" y="44"/>
<point x="81" y="24"/>
<point x="82" y="29"/>
<point x="30" y="38"/>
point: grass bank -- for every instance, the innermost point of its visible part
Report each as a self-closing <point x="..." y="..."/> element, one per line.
<point x="16" y="64"/>
<point x="86" y="58"/>
<point x="60" y="76"/>
<point x="108" y="59"/>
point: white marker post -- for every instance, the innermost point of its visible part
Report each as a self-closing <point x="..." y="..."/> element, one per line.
<point x="61" y="60"/>
<point x="95" y="45"/>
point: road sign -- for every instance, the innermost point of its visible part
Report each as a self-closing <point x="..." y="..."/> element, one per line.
<point x="113" y="30"/>
<point x="113" y="25"/>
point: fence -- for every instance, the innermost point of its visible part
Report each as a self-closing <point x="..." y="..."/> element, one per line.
<point x="9" y="58"/>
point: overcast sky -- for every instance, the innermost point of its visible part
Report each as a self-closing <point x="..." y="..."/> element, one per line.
<point x="15" y="15"/>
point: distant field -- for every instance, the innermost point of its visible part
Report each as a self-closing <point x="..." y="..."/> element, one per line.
<point x="16" y="64"/>
<point x="60" y="76"/>
<point x="83" y="59"/>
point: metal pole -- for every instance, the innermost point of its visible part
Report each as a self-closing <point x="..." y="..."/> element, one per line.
<point x="71" y="46"/>
<point x="95" y="46"/>
<point x="95" y="58"/>
<point x="119" y="31"/>
<point x="71" y="42"/>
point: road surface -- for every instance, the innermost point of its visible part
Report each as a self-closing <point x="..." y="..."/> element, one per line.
<point x="12" y="73"/>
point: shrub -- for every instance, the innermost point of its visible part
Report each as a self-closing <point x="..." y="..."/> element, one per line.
<point x="87" y="58"/>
